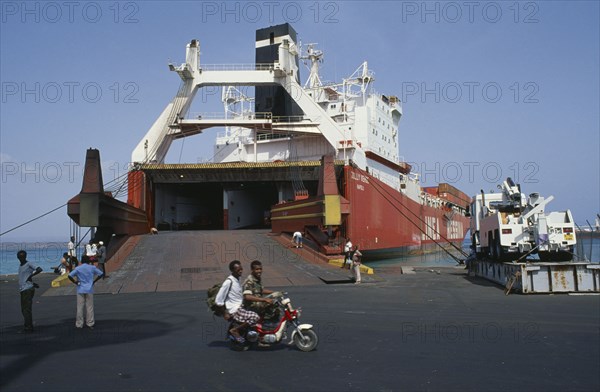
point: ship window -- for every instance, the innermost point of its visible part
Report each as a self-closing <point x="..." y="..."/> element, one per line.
<point x="272" y="38"/>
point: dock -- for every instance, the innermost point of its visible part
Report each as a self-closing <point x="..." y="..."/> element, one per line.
<point x="424" y="330"/>
<point x="535" y="277"/>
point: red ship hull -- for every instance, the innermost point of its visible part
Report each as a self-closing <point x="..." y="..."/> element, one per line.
<point x="382" y="221"/>
<point x="387" y="223"/>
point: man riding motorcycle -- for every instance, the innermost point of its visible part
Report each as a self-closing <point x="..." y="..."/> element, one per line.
<point x="254" y="293"/>
<point x="230" y="296"/>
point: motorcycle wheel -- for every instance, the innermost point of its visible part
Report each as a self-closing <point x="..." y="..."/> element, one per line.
<point x="309" y="342"/>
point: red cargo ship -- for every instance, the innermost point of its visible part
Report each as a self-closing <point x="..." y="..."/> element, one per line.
<point x="322" y="158"/>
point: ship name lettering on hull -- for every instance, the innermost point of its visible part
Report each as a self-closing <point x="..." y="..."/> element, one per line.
<point x="432" y="228"/>
<point x="359" y="177"/>
<point x="455" y="230"/>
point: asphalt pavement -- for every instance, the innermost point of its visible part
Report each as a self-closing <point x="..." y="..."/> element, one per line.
<point x="435" y="330"/>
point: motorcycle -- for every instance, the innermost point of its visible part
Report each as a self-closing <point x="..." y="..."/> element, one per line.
<point x="269" y="333"/>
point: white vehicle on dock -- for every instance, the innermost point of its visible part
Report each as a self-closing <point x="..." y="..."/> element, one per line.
<point x="508" y="225"/>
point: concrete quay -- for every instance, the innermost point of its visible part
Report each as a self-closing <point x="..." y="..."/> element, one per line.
<point x="435" y="329"/>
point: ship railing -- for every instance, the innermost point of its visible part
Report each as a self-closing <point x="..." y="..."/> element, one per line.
<point x="392" y="103"/>
<point x="221" y="116"/>
<point x="249" y="139"/>
<point x="249" y="116"/>
<point x="271" y="136"/>
<point x="223" y="137"/>
<point x="289" y="119"/>
<point x="237" y="67"/>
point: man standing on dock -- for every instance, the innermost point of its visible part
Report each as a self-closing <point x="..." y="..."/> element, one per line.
<point x="101" y="254"/>
<point x="86" y="275"/>
<point x="347" y="254"/>
<point x="356" y="262"/>
<point x="71" y="247"/>
<point x="27" y="270"/>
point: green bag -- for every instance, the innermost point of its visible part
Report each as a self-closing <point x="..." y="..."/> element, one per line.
<point x="211" y="299"/>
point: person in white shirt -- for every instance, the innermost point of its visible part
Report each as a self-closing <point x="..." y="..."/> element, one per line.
<point x="297" y="239"/>
<point x="90" y="251"/>
<point x="27" y="270"/>
<point x="230" y="295"/>
<point x="71" y="247"/>
<point x="347" y="251"/>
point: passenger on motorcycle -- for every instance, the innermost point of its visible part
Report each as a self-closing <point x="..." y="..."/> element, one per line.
<point x="230" y="296"/>
<point x="254" y="293"/>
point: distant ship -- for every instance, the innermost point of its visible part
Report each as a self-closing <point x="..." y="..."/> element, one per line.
<point x="319" y="157"/>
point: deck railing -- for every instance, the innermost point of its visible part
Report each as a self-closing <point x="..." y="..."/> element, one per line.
<point x="237" y="67"/>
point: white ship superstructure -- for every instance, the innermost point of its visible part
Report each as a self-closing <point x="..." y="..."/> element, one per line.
<point x="367" y="125"/>
<point x="286" y="121"/>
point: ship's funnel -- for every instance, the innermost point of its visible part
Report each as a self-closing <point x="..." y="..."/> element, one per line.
<point x="275" y="99"/>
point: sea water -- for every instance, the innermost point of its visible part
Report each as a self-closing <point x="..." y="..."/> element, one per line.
<point x="442" y="259"/>
<point x="46" y="255"/>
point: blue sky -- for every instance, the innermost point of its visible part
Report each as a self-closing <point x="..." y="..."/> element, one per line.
<point x="489" y="89"/>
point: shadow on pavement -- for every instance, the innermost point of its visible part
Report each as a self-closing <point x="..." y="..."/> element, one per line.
<point x="479" y="281"/>
<point x="253" y="347"/>
<point x="27" y="349"/>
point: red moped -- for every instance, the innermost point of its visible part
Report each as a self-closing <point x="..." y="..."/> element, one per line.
<point x="272" y="332"/>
